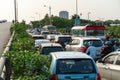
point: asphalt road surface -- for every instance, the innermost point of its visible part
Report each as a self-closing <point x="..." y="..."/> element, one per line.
<point x="4" y="35"/>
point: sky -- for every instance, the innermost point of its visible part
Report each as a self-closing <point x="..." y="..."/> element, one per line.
<point x="30" y="10"/>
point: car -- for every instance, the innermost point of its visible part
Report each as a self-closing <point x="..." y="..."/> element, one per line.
<point x="62" y="39"/>
<point x="38" y="37"/>
<point x="109" y="66"/>
<point x="47" y="48"/>
<point x="77" y="44"/>
<point x="45" y="33"/>
<point x="51" y="37"/>
<point x="38" y="42"/>
<point x="73" y="65"/>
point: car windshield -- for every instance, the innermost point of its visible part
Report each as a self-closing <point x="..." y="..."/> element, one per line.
<point x="96" y="43"/>
<point x="77" y="66"/>
<point x="38" y="37"/>
<point x="44" y="33"/>
<point x="47" y="50"/>
<point x="51" y="28"/>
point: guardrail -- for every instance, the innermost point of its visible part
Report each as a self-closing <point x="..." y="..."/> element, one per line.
<point x="4" y="67"/>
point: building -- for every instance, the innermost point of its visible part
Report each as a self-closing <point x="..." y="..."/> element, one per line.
<point x="64" y="14"/>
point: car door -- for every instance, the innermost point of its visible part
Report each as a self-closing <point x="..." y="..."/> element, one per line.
<point x="115" y="69"/>
<point x="106" y="66"/>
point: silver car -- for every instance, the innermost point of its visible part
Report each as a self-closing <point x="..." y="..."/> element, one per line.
<point x="109" y="66"/>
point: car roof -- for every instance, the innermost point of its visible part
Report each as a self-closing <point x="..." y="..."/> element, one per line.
<point x="69" y="55"/>
<point x="37" y="35"/>
<point x="115" y="52"/>
<point x="63" y="35"/>
<point x="50" y="44"/>
<point x="87" y="38"/>
<point x="41" y="40"/>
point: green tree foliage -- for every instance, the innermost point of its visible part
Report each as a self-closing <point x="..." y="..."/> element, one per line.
<point x="61" y="22"/>
<point x="35" y="24"/>
<point x="26" y="65"/>
<point x="25" y="62"/>
<point x="114" y="31"/>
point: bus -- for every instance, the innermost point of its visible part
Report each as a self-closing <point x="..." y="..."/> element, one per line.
<point x="89" y="31"/>
<point x="50" y="28"/>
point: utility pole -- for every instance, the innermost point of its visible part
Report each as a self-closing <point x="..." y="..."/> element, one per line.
<point x="16" y="10"/>
<point x="77" y="20"/>
<point x="89" y="15"/>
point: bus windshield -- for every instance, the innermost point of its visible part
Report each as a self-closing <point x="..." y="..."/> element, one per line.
<point x="95" y="32"/>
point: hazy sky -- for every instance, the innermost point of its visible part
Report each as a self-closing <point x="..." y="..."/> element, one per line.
<point x="27" y="9"/>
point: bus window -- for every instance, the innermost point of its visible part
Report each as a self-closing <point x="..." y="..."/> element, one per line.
<point x="95" y="32"/>
<point x="78" y="32"/>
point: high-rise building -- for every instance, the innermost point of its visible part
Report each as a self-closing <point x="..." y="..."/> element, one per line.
<point x="63" y="14"/>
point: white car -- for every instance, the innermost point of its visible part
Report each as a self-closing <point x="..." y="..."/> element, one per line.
<point x="47" y="48"/>
<point x="38" y="42"/>
<point x="51" y="37"/>
<point x="38" y="37"/>
<point x="63" y="39"/>
<point x="77" y="44"/>
<point x="109" y="66"/>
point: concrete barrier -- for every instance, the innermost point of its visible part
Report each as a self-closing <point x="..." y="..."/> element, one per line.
<point x="3" y="59"/>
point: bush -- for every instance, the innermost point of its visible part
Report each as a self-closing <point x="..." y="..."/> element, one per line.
<point x="26" y="64"/>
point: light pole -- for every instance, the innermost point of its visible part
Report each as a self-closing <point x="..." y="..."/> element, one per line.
<point x="16" y="10"/>
<point x="49" y="13"/>
<point x="76" y="8"/>
<point x="89" y="15"/>
<point x="77" y="22"/>
<point x="80" y="15"/>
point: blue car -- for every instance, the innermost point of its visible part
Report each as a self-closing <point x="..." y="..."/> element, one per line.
<point x="73" y="66"/>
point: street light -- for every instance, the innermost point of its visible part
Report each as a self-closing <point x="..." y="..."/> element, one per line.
<point x="89" y="15"/>
<point x="77" y="20"/>
<point x="80" y="15"/>
<point x="16" y="10"/>
<point x="76" y="8"/>
<point x="49" y="13"/>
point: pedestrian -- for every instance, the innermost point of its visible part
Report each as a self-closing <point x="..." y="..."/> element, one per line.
<point x="108" y="48"/>
<point x="86" y="46"/>
<point x="91" y="50"/>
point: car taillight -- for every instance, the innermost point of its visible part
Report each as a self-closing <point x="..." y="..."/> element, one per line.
<point x="53" y="77"/>
<point x="83" y="49"/>
<point x="98" y="77"/>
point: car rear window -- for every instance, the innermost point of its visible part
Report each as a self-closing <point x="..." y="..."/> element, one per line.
<point x="47" y="50"/>
<point x="65" y="39"/>
<point x="37" y="37"/>
<point x="96" y="43"/>
<point x="75" y="66"/>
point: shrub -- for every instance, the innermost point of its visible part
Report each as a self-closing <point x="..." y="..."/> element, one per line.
<point x="27" y="64"/>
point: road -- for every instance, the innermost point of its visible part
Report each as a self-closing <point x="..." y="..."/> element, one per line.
<point x="4" y="35"/>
